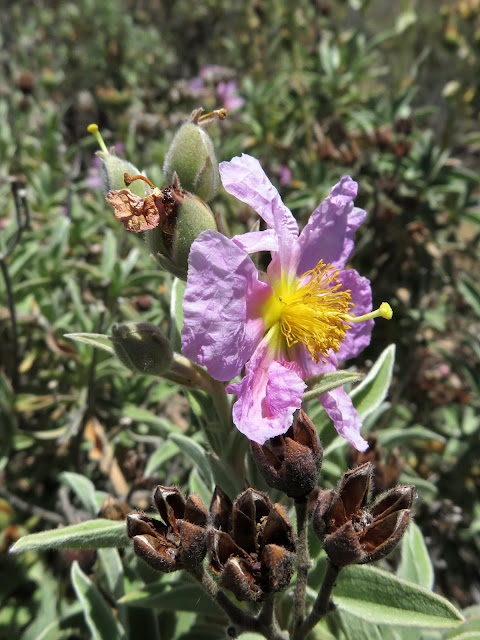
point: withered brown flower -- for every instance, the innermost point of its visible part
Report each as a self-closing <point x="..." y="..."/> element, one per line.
<point x="252" y="546"/>
<point x="178" y="541"/>
<point x="354" y="532"/>
<point x="291" y="462"/>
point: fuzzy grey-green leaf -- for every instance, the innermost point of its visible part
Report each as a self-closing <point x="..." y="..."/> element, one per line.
<point x="371" y="392"/>
<point x="92" y="534"/>
<point x="328" y="381"/>
<point x="98" y="615"/>
<point x="381" y="598"/>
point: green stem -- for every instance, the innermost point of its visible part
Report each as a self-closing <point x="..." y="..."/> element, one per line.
<point x="303" y="565"/>
<point x="323" y="604"/>
<point x="222" y="405"/>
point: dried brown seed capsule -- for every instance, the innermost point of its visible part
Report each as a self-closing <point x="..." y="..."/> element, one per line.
<point x="254" y="550"/>
<point x="180" y="541"/>
<point x="353" y="532"/>
<point x="291" y="462"/>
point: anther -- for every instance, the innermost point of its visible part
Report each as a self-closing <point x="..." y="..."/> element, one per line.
<point x="128" y="179"/>
<point x="207" y="118"/>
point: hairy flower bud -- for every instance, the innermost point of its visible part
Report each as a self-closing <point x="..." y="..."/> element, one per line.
<point x="192" y="157"/>
<point x="291" y="462"/>
<point x="113" y="171"/>
<point x="171" y="218"/>
<point x="353" y="532"/>
<point x="185" y="217"/>
<point x="114" y="168"/>
<point x="180" y="541"/>
<point x="254" y="550"/>
<point x="142" y="347"/>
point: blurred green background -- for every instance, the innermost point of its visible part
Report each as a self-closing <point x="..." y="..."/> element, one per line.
<point x="387" y="92"/>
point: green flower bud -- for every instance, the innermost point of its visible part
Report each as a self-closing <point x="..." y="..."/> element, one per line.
<point x="191" y="156"/>
<point x="114" y="168"/>
<point x="171" y="218"/>
<point x="142" y="348"/>
<point x="186" y="216"/>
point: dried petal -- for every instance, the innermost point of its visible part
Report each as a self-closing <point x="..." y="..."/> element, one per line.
<point x="136" y="214"/>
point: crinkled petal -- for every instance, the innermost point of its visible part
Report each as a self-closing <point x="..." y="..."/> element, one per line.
<point x="255" y="241"/>
<point x="222" y="325"/>
<point x="268" y="396"/>
<point x="244" y="178"/>
<point x="358" y="337"/>
<point x="346" y="420"/>
<point x="328" y="235"/>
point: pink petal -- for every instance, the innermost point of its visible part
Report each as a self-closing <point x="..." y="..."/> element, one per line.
<point x="358" y="337"/>
<point x="310" y="368"/>
<point x="244" y="178"/>
<point x="222" y="324"/>
<point x="328" y="235"/>
<point x="268" y="396"/>
<point x="339" y="408"/>
<point x="255" y="241"/>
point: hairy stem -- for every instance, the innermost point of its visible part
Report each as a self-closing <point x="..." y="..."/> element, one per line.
<point x="303" y="565"/>
<point x="265" y="623"/>
<point x="243" y="620"/>
<point x="323" y="604"/>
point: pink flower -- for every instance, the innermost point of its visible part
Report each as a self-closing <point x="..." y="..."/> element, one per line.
<point x="289" y="324"/>
<point x="227" y="94"/>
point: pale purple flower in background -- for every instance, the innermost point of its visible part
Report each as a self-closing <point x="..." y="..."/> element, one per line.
<point x="94" y="178"/>
<point x="196" y="86"/>
<point x="287" y="325"/>
<point x="218" y="79"/>
<point x="228" y="96"/>
<point x="285" y="175"/>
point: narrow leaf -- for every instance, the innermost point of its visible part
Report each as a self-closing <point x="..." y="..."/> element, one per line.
<point x="98" y="340"/>
<point x="176" y="313"/>
<point x="181" y="597"/>
<point x="382" y="598"/>
<point x="371" y="392"/>
<point x="93" y="534"/>
<point x="470" y="292"/>
<point x="98" y="615"/>
<point x="415" y="565"/>
<point x="112" y="565"/>
<point x="197" y="455"/>
<point x="328" y="381"/>
<point x="83" y="488"/>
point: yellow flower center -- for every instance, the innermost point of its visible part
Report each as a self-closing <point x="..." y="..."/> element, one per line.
<point x="314" y="311"/>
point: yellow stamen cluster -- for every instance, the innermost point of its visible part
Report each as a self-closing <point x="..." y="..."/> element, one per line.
<point x="314" y="311"/>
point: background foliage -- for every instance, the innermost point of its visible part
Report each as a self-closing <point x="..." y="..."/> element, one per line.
<point x="387" y="92"/>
